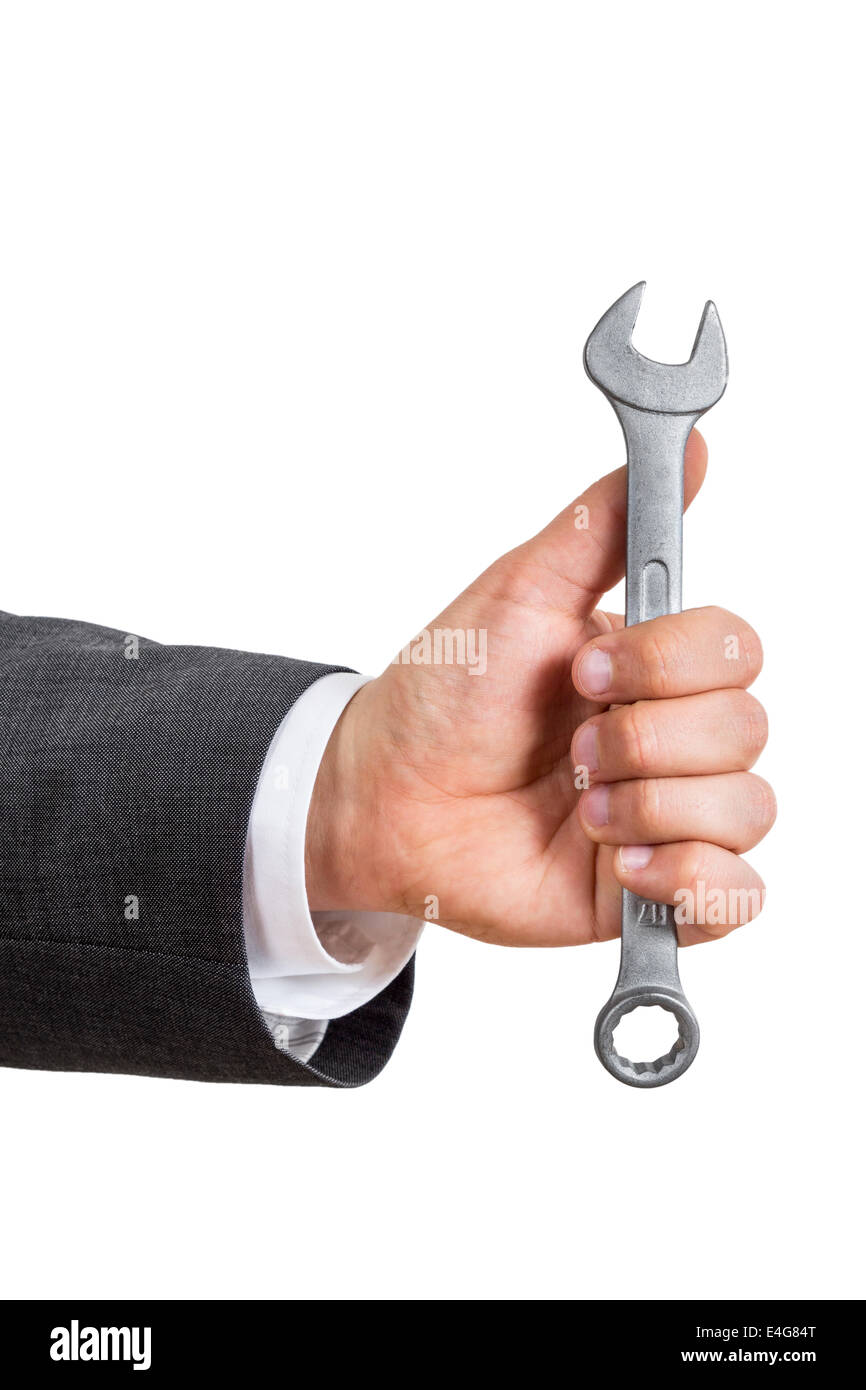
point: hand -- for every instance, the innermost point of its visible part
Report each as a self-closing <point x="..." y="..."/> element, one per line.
<point x="451" y="792"/>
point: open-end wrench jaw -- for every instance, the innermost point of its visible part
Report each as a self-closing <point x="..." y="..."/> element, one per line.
<point x="625" y="375"/>
<point x="657" y="404"/>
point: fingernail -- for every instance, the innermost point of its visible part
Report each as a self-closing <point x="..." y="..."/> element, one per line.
<point x="595" y="805"/>
<point x="586" y="748"/>
<point x="594" y="672"/>
<point x="635" y="856"/>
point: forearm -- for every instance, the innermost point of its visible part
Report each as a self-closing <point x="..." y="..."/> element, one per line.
<point x="126" y="783"/>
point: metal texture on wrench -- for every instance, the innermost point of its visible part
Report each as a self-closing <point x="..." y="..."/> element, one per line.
<point x="657" y="404"/>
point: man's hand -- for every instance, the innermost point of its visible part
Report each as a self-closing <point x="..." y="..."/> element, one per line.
<point x="456" y="788"/>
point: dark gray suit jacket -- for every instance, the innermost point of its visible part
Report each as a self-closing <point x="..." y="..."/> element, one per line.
<point x="127" y="777"/>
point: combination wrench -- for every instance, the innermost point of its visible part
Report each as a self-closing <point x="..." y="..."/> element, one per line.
<point x="657" y="404"/>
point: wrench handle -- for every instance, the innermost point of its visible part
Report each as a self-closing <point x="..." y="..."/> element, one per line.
<point x="654" y="536"/>
<point x="653" y="587"/>
<point x="648" y="971"/>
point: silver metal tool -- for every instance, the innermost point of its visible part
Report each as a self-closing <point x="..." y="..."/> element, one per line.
<point x="657" y="404"/>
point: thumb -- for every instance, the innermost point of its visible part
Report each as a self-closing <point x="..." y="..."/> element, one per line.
<point x="583" y="549"/>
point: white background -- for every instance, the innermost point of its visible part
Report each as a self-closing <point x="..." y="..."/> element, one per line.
<point x="292" y="298"/>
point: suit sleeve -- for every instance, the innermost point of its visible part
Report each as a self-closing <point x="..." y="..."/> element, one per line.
<point x="127" y="773"/>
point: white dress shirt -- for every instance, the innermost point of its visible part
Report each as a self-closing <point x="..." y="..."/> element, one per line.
<point x="307" y="968"/>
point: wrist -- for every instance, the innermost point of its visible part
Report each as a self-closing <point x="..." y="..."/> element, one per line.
<point x="339" y="851"/>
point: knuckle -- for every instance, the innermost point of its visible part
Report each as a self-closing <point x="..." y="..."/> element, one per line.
<point x="754" y="652"/>
<point x="721" y="618"/>
<point x="753" y="726"/>
<point x="764" y="806"/>
<point x="637" y="738"/>
<point x="749" y="650"/>
<point x="694" y="867"/>
<point x="662" y="658"/>
<point x="755" y="897"/>
<point x="648" y="806"/>
<point x="744" y="900"/>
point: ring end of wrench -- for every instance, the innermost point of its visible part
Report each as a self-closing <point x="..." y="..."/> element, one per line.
<point x="662" y="1070"/>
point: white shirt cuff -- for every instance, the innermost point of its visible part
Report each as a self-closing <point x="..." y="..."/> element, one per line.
<point x="327" y="964"/>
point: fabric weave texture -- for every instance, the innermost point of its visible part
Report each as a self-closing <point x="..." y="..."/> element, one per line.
<point x="127" y="774"/>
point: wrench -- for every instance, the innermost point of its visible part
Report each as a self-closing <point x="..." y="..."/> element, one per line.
<point x="657" y="404"/>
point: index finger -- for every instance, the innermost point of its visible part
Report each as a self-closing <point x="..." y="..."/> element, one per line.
<point x="681" y="654"/>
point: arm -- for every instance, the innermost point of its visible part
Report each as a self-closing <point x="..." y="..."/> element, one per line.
<point x="127" y="774"/>
<point x="515" y="767"/>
